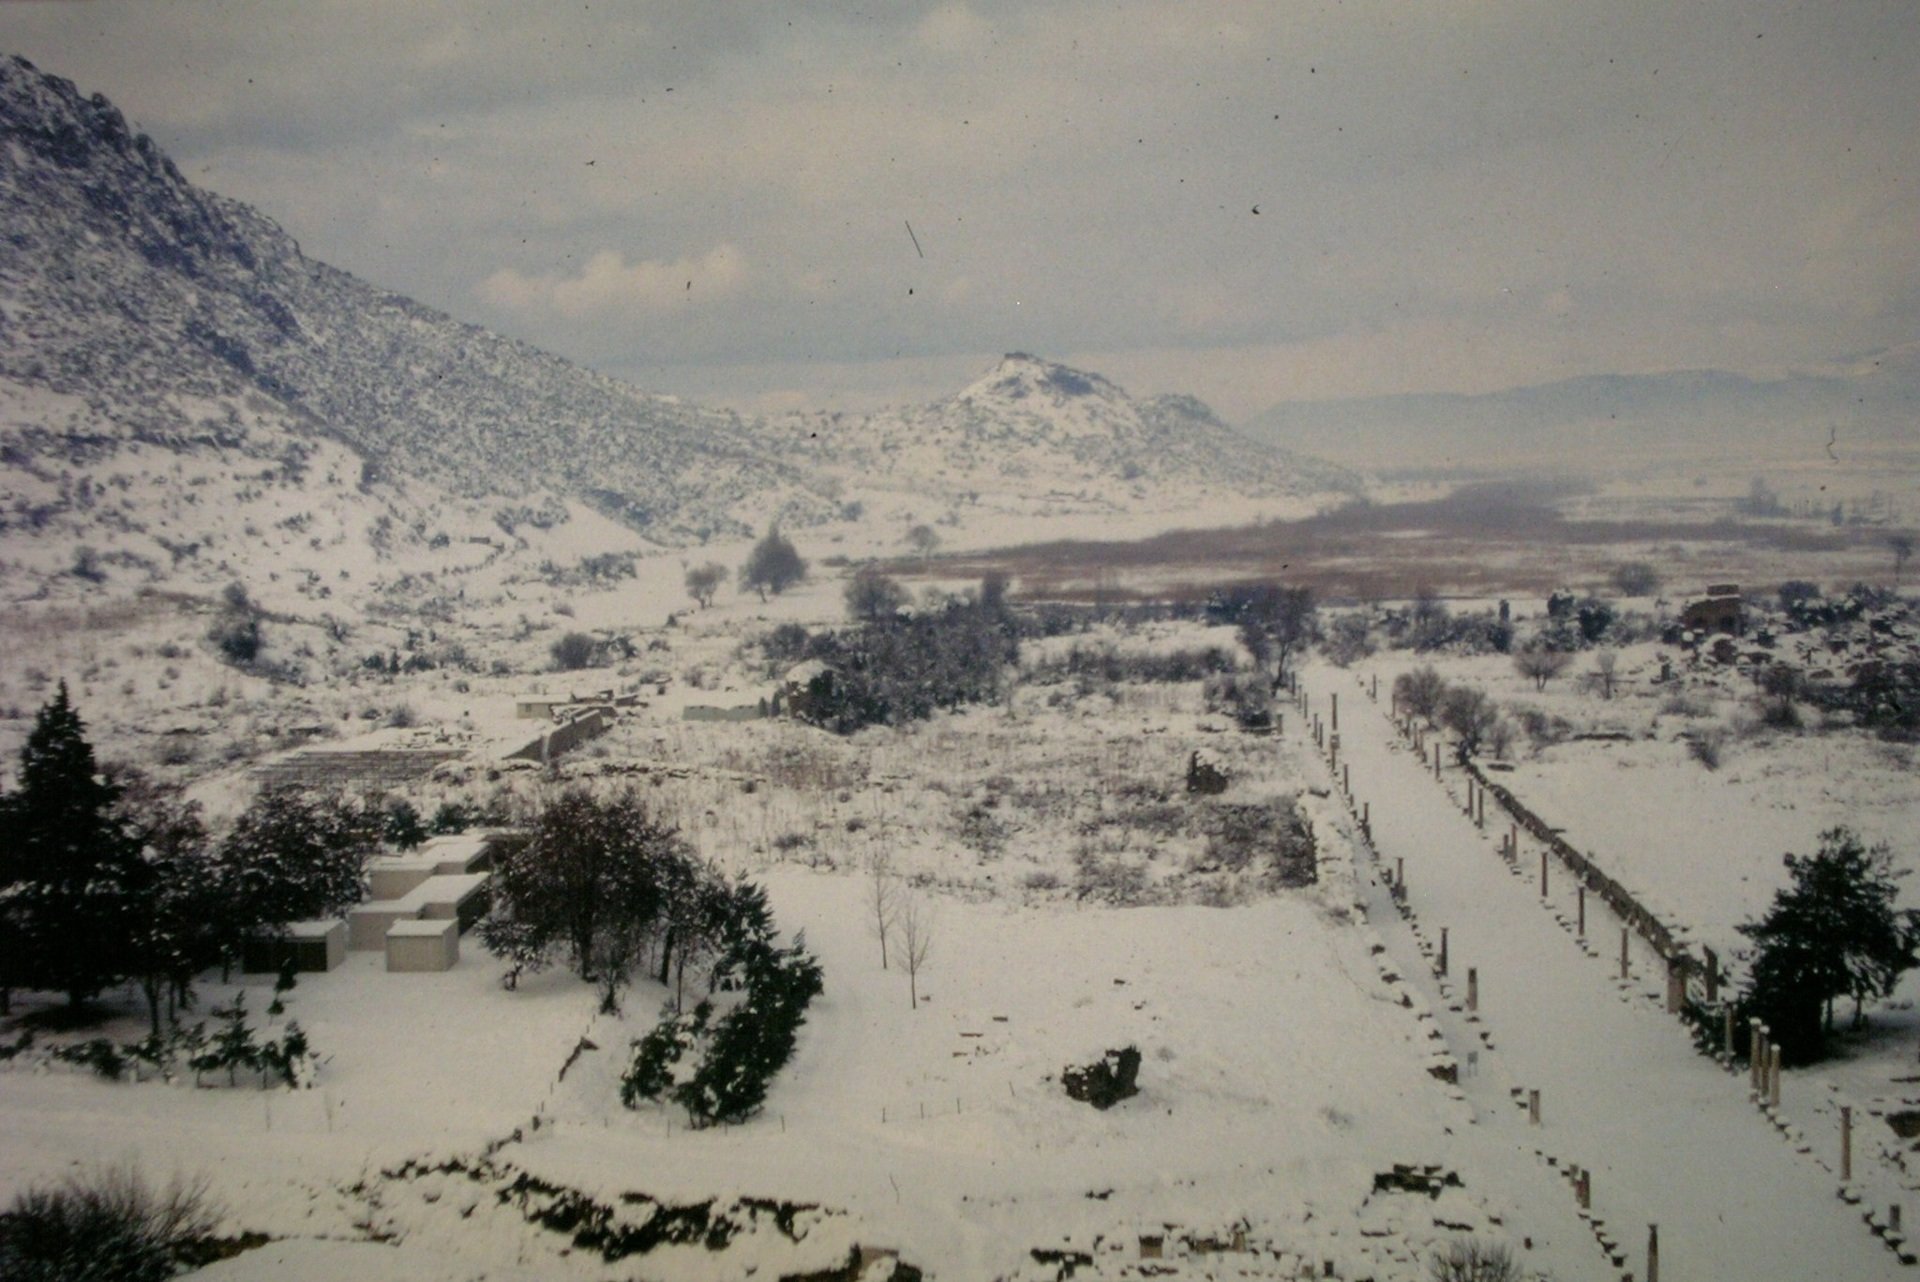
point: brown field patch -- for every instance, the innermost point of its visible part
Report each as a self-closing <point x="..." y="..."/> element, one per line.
<point x="1482" y="541"/>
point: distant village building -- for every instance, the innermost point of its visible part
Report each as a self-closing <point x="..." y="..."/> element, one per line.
<point x="1720" y="611"/>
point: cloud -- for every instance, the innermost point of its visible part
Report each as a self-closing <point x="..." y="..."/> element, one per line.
<point x="1434" y="183"/>
<point x="607" y="284"/>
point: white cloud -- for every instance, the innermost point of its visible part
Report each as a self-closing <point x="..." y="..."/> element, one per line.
<point x="607" y="284"/>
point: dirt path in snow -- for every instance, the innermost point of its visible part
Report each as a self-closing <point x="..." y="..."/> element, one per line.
<point x="1671" y="1138"/>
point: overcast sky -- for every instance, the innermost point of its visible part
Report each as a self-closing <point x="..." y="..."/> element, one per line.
<point x="1249" y="203"/>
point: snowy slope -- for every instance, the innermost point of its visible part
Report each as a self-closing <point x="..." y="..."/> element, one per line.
<point x="126" y="286"/>
<point x="1034" y="433"/>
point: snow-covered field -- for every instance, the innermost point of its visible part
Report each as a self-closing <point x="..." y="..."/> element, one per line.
<point x="1080" y="905"/>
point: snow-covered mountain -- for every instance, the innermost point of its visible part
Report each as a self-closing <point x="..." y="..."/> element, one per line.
<point x="187" y="399"/>
<point x="181" y="319"/>
<point x="1034" y="430"/>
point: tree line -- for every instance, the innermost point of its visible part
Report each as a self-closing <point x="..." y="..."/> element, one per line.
<point x="108" y="876"/>
<point x="893" y="666"/>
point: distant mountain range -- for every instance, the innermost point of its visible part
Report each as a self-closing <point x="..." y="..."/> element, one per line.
<point x="1871" y="402"/>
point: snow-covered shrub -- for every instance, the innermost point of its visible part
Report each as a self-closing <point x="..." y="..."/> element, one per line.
<point x="719" y="1071"/>
<point x="980" y="830"/>
<point x="1247" y="697"/>
<point x="572" y="652"/>
<point x="1636" y="578"/>
<point x="1274" y="839"/>
<point x="237" y="637"/>
<point x="1707" y="746"/>
<point x="1682" y="704"/>
<point x="1105" y="1082"/>
<point x="1109" y="880"/>
<point x="656" y="1057"/>
<point x="1419" y="692"/>
<point x="1471" y="1260"/>
<point x="1347" y="639"/>
<point x="1542" y="730"/>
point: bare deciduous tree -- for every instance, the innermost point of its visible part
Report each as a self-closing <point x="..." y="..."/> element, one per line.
<point x="1419" y="692"/>
<point x="916" y="937"/>
<point x="1471" y="1260"/>
<point x="883" y="901"/>
<point x="873" y="597"/>
<point x="1604" y="664"/>
<point x="1541" y="665"/>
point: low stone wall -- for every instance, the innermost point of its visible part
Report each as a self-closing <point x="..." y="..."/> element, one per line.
<point x="565" y="738"/>
<point x="1617" y="897"/>
<point x="319" y="768"/>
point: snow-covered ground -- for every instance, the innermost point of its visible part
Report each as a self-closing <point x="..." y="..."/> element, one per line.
<point x="1051" y="834"/>
<point x="1669" y="1135"/>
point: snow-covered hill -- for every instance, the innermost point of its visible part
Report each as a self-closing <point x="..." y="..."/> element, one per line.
<point x="1034" y="434"/>
<point x="178" y="319"/>
<point x="186" y="400"/>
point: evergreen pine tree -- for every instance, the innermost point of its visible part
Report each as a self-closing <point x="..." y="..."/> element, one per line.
<point x="1834" y="932"/>
<point x="73" y="873"/>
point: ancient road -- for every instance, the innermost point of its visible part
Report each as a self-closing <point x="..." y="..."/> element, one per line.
<point x="1670" y="1137"/>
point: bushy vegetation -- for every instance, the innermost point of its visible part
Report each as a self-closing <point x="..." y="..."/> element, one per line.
<point x="235" y="632"/>
<point x="573" y="651"/>
<point x="904" y="668"/>
<point x="1636" y="578"/>
<point x="1472" y="1260"/>
<point x="1347" y="639"/>
<point x="1247" y="697"/>
<point x="719" y="1070"/>
<point x="1107" y="663"/>
<point x="231" y="1048"/>
<point x="1540" y="664"/>
<point x="1474" y="719"/>
<point x="108" y="1225"/>
<point x="874" y="597"/>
